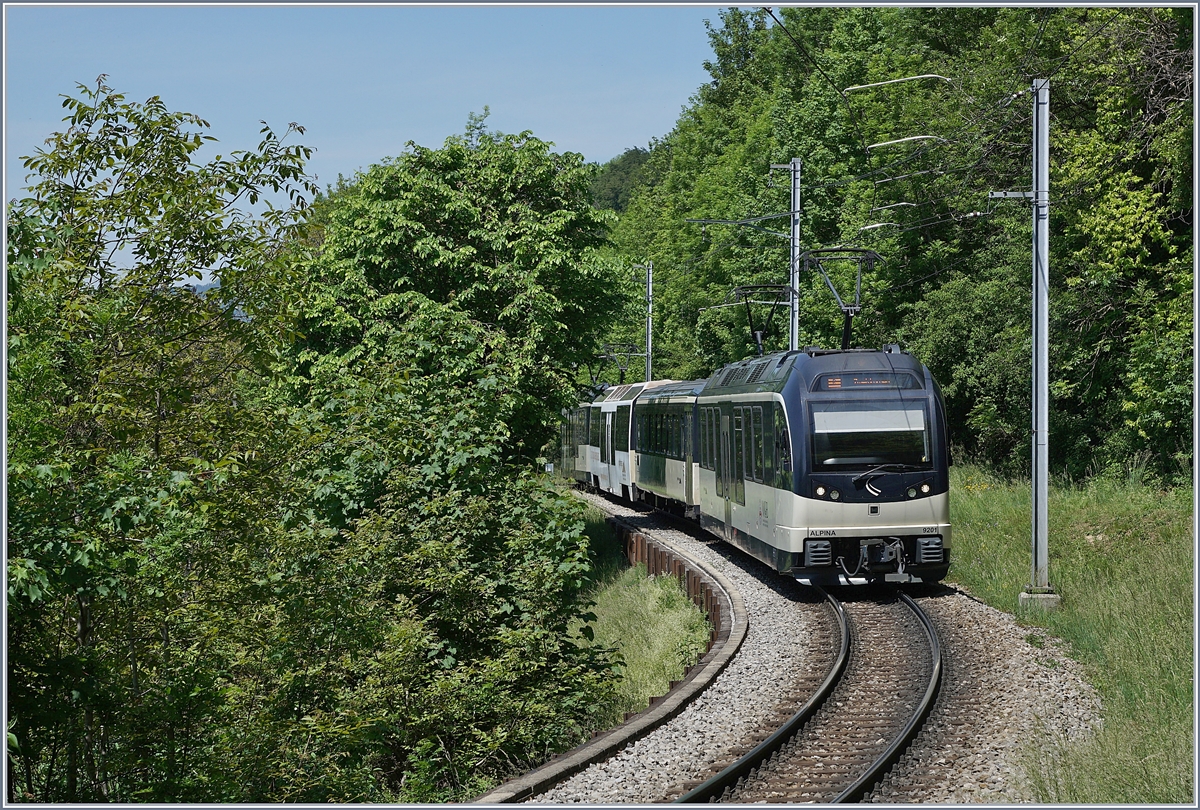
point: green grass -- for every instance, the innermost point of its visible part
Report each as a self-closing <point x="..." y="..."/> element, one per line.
<point x="1122" y="559"/>
<point x="650" y="621"/>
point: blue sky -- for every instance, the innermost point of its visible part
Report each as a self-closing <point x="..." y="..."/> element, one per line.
<point x="364" y="80"/>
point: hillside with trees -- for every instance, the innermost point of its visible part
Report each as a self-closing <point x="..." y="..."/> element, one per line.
<point x="954" y="284"/>
<point x="288" y="540"/>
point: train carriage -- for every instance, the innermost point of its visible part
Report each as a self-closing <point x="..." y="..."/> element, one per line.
<point x="664" y="438"/>
<point x="829" y="465"/>
<point x="597" y="438"/>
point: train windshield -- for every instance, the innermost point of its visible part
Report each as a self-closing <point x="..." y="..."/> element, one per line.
<point x="856" y="435"/>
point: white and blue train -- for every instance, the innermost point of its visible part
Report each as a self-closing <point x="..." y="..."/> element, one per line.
<point x="828" y="465"/>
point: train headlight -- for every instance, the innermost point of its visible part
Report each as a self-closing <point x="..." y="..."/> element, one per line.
<point x="834" y="494"/>
<point x="820" y="492"/>
<point x="925" y="488"/>
<point x="912" y="492"/>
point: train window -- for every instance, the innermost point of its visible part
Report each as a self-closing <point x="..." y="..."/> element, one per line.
<point x="783" y="450"/>
<point x="768" y="447"/>
<point x="711" y="453"/>
<point x="673" y="427"/>
<point x="739" y="456"/>
<point x="596" y="423"/>
<point x="736" y="428"/>
<point x="748" y="442"/>
<point x="704" y="438"/>
<point x="857" y="435"/>
<point x="716" y="436"/>
<point x="708" y="441"/>
<point x="621" y="429"/>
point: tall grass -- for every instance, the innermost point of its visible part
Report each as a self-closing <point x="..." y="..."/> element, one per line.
<point x="650" y="621"/>
<point x="1122" y="559"/>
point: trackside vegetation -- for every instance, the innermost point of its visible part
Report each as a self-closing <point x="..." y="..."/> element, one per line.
<point x="285" y="541"/>
<point x="654" y="629"/>
<point x="1122" y="557"/>
<point x="954" y="283"/>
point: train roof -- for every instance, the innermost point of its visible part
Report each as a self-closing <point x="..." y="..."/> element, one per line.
<point x="771" y="372"/>
<point x="687" y="389"/>
<point x="627" y="392"/>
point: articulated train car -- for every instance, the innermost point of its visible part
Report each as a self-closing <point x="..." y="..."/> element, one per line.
<point x="826" y="465"/>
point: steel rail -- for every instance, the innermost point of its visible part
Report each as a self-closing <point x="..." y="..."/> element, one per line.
<point x="894" y="751"/>
<point x="744" y="766"/>
<point x="714" y="787"/>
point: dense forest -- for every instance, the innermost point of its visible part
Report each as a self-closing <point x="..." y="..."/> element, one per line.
<point x="289" y="539"/>
<point x="954" y="286"/>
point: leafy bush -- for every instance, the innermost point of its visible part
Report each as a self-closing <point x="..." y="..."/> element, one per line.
<point x="246" y="566"/>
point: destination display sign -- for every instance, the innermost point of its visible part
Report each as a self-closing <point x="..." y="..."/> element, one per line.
<point x="842" y="382"/>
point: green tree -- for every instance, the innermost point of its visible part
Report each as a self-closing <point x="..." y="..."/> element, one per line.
<point x="497" y="225"/>
<point x="251" y="564"/>
<point x="135" y="469"/>
<point x="453" y="289"/>
<point x="1121" y="242"/>
<point x="616" y="179"/>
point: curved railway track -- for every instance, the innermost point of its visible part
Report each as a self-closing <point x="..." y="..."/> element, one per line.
<point x="870" y="678"/>
<point x="879" y="689"/>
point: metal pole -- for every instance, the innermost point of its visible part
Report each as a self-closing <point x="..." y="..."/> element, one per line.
<point x="794" y="275"/>
<point x="649" y="314"/>
<point x="1039" y="587"/>
<point x="794" y="272"/>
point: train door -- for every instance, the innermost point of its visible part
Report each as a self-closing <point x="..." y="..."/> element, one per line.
<point x="689" y="497"/>
<point x="605" y="441"/>
<point x="613" y="484"/>
<point x="725" y="476"/>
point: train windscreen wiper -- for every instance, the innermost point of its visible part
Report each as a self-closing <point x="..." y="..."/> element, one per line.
<point x="886" y="468"/>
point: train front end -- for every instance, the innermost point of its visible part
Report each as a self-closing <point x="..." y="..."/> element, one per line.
<point x="872" y="468"/>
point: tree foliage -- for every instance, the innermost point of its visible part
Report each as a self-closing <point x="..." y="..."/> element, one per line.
<point x="617" y="179"/>
<point x="496" y="226"/>
<point x="126" y="430"/>
<point x="955" y="280"/>
<point x="251" y="563"/>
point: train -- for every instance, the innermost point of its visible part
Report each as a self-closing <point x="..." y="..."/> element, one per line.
<point x="829" y="465"/>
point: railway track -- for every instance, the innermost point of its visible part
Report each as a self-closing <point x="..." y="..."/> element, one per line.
<point x="880" y="686"/>
<point x="840" y="721"/>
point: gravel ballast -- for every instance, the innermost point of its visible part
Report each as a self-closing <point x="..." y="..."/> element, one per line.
<point x="1000" y="692"/>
